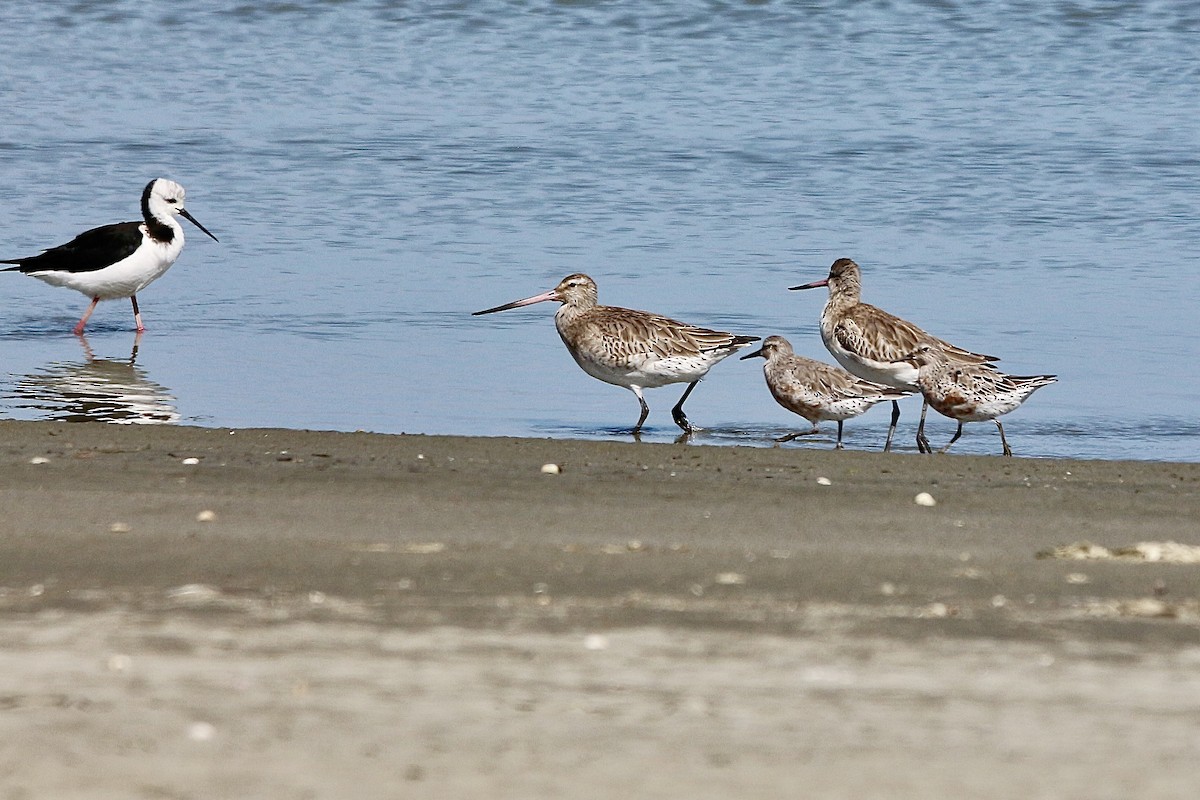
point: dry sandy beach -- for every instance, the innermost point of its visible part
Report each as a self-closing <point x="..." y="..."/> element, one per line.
<point x="207" y="613"/>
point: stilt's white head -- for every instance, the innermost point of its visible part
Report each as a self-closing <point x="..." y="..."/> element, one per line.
<point x="164" y="199"/>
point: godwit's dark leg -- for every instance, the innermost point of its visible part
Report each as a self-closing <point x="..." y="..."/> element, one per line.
<point x="137" y="314"/>
<point x="677" y="412"/>
<point x="922" y="441"/>
<point x="86" y="315"/>
<point x="1003" y="441"/>
<point x="839" y="445"/>
<point x="637" y="429"/>
<point x="953" y="438"/>
<point x="892" y="428"/>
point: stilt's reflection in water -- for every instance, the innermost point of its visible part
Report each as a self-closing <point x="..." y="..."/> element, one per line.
<point x="96" y="390"/>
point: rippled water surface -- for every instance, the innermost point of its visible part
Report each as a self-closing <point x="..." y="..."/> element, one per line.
<point x="1019" y="178"/>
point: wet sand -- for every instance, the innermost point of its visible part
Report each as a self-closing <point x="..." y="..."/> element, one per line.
<point x="312" y="615"/>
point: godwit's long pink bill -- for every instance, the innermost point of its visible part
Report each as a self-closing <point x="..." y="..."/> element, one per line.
<point x="971" y="392"/>
<point x="634" y="349"/>
<point x="871" y="343"/>
<point x="818" y="392"/>
<point x="118" y="260"/>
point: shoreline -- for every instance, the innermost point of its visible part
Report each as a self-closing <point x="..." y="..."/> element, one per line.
<point x="304" y="613"/>
<point x="764" y="514"/>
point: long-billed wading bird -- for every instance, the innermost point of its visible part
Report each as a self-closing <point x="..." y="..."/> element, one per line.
<point x="971" y="392"/>
<point x="871" y="343"/>
<point x="634" y="349"/>
<point x="118" y="260"/>
<point x="818" y="392"/>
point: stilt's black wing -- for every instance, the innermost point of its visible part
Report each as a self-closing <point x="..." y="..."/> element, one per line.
<point x="87" y="252"/>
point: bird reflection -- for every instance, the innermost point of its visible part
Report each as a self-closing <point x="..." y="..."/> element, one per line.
<point x="97" y="390"/>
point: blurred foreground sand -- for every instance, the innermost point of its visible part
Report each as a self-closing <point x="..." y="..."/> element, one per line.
<point x="318" y="615"/>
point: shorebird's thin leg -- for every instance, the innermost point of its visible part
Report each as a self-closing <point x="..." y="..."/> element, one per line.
<point x="637" y="429"/>
<point x="797" y="435"/>
<point x="677" y="412"/>
<point x="922" y="440"/>
<point x="1003" y="441"/>
<point x="86" y="315"/>
<point x="839" y="445"/>
<point x="953" y="438"/>
<point x="892" y="428"/>
<point x="137" y="314"/>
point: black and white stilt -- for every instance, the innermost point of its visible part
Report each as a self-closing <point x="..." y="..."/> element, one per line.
<point x="119" y="260"/>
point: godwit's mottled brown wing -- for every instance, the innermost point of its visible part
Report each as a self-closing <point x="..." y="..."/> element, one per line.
<point x="825" y="382"/>
<point x="631" y="337"/>
<point x="986" y="382"/>
<point x="874" y="334"/>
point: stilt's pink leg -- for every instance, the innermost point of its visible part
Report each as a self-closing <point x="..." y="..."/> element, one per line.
<point x="86" y="315"/>
<point x="137" y="314"/>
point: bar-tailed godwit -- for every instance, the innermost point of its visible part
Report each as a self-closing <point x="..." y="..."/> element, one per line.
<point x="871" y="343"/>
<point x="634" y="349"/>
<point x="818" y="392"/>
<point x="970" y="392"/>
<point x="117" y="260"/>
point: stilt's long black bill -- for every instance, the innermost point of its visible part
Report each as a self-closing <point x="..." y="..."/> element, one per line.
<point x="183" y="213"/>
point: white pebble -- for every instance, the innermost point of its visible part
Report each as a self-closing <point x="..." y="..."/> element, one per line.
<point x="730" y="579"/>
<point x="39" y="460"/>
<point x="119" y="527"/>
<point x="937" y="610"/>
<point x="201" y="731"/>
<point x="925" y="499"/>
<point x="191" y="462"/>
<point x="823" y="481"/>
<point x="550" y="469"/>
<point x="206" y="516"/>
<point x="119" y="662"/>
<point x="595" y="641"/>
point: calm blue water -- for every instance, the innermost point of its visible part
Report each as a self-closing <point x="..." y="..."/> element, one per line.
<point x="1017" y="177"/>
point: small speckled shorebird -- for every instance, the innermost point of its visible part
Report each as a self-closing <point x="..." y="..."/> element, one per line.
<point x="634" y="349"/>
<point x="970" y="392"/>
<point x="872" y="344"/>
<point x="117" y="260"/>
<point x="818" y="392"/>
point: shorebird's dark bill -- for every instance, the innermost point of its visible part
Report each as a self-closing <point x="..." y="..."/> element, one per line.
<point x="183" y="213"/>
<point x="504" y="307"/>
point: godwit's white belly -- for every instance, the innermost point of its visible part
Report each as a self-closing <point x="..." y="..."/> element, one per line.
<point x="898" y="375"/>
<point x="649" y="372"/>
<point x="124" y="278"/>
